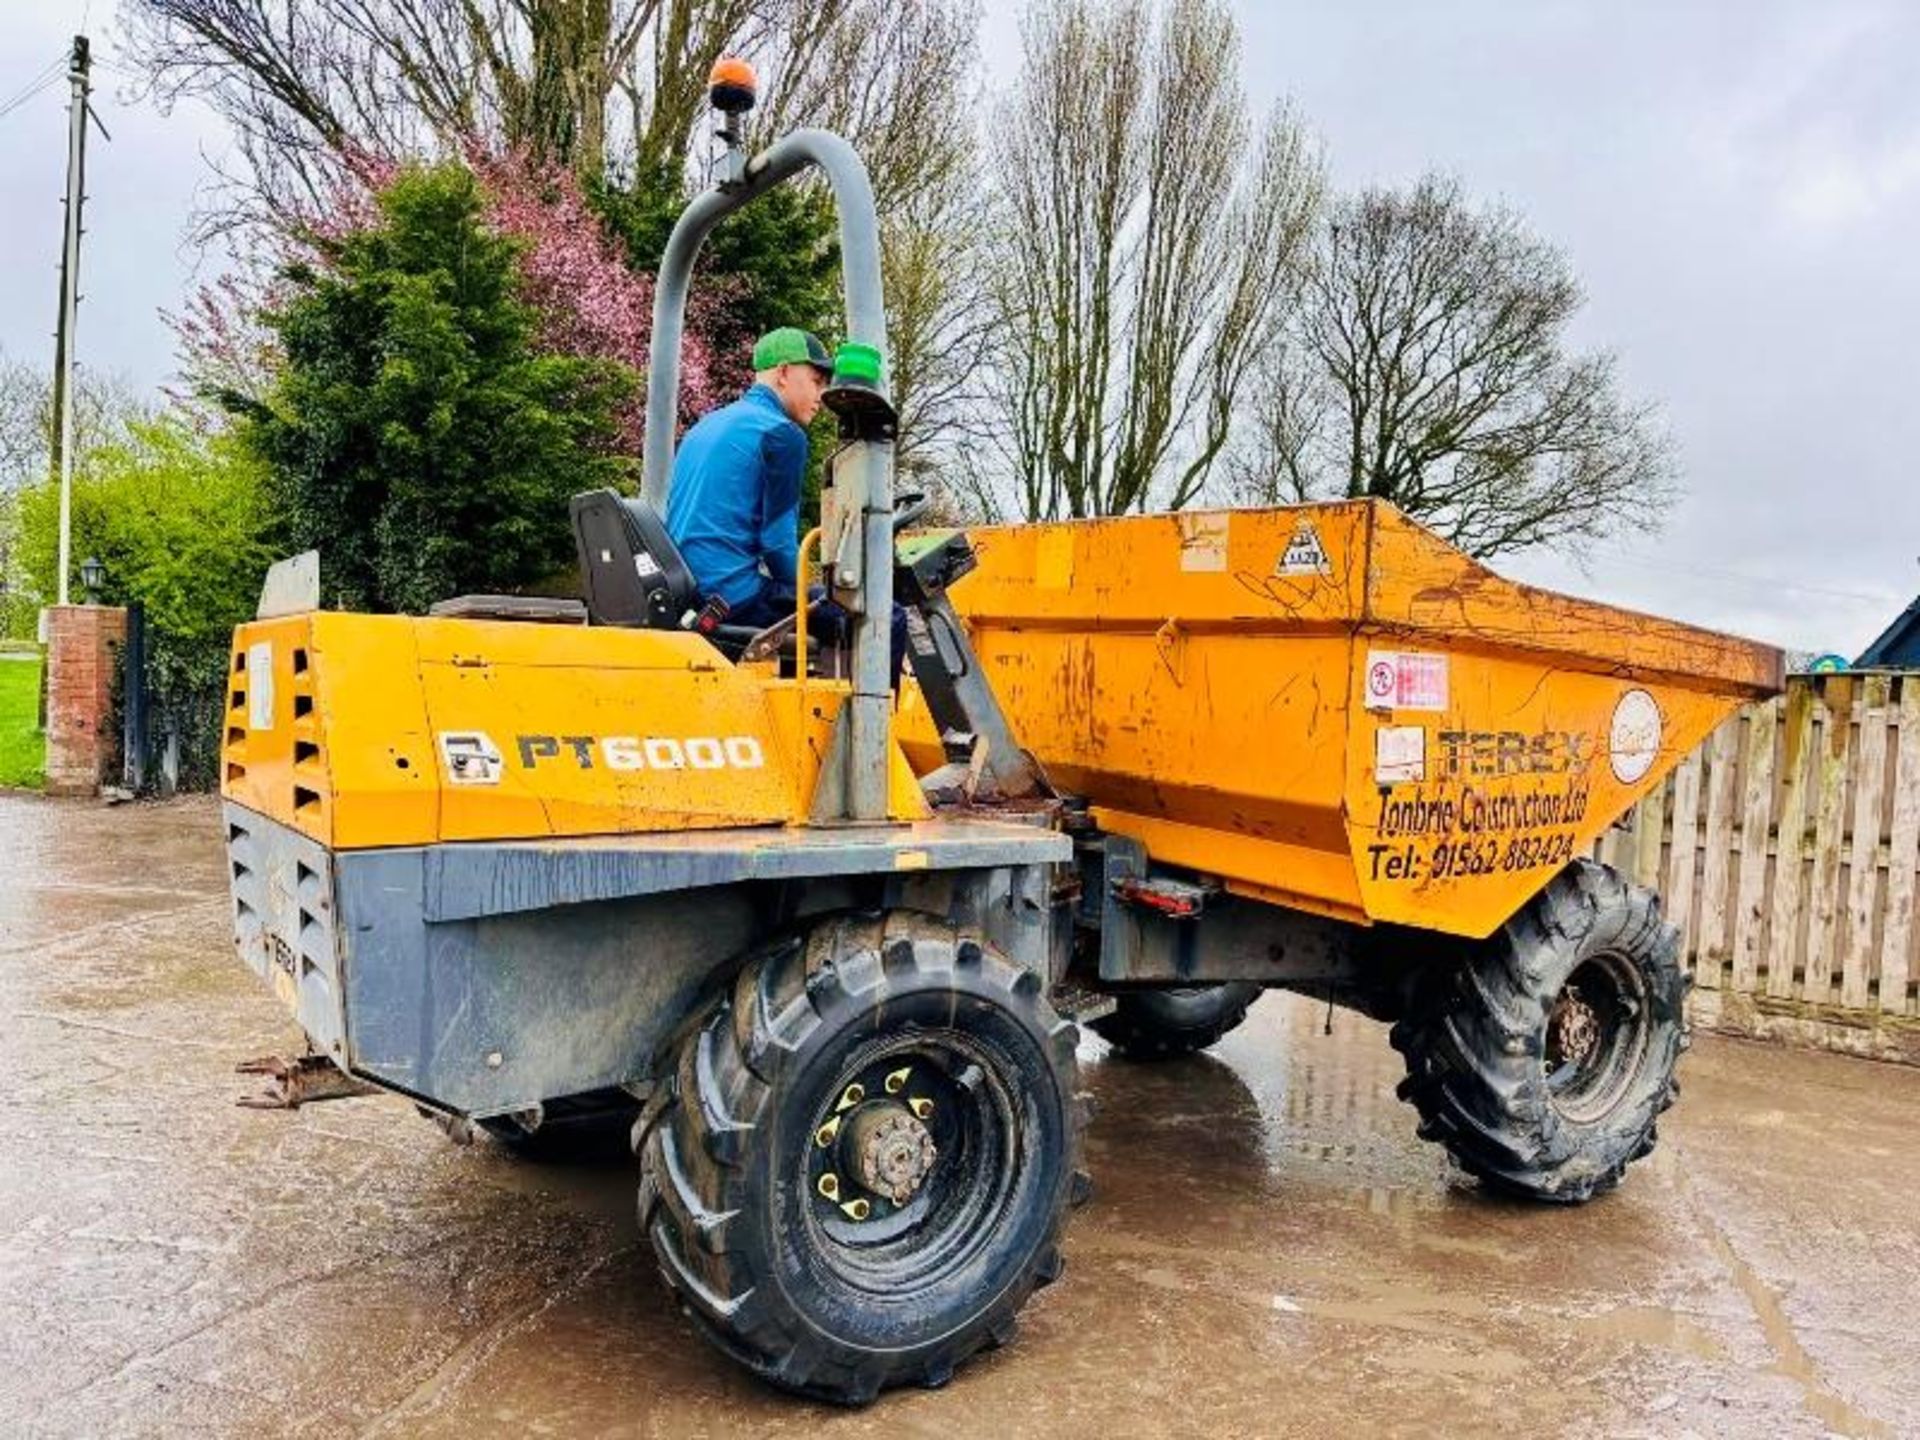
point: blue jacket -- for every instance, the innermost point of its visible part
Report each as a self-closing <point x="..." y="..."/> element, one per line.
<point x="734" y="505"/>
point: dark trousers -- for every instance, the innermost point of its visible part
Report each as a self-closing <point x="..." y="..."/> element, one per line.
<point x="774" y="603"/>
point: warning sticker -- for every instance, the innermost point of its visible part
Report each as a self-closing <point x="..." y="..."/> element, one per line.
<point x="1304" y="555"/>
<point x="1406" y="680"/>
<point x="260" y="685"/>
<point x="1399" y="754"/>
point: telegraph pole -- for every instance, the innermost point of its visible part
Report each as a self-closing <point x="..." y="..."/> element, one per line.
<point x="79" y="71"/>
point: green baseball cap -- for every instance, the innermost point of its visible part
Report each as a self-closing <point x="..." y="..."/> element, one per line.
<point x="790" y="345"/>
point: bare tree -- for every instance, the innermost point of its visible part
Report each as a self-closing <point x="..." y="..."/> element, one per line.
<point x="1427" y="363"/>
<point x="616" y="84"/>
<point x="939" y="326"/>
<point x="896" y="77"/>
<point x="1146" y="240"/>
<point x="586" y="82"/>
<point x="305" y="82"/>
<point x="900" y="79"/>
<point x="105" y="403"/>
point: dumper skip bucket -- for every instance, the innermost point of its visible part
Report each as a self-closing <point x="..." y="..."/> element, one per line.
<point x="1330" y="708"/>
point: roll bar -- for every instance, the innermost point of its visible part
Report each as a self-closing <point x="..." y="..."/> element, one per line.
<point x="863" y="473"/>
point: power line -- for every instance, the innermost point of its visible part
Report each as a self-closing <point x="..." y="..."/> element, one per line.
<point x="33" y="87"/>
<point x="14" y="105"/>
<point x="53" y="67"/>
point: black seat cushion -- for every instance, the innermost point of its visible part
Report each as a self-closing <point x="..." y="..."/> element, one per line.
<point x="629" y="566"/>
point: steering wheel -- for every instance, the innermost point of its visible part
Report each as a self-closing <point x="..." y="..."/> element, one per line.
<point x="908" y="507"/>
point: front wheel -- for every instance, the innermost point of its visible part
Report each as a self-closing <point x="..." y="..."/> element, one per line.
<point x="861" y="1169"/>
<point x="1543" y="1056"/>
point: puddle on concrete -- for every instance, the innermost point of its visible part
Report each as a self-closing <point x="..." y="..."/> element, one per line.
<point x="1269" y="1250"/>
<point x="1790" y="1357"/>
<point x="1652" y="1325"/>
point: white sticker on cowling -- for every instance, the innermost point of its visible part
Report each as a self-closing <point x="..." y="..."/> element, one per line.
<point x="1304" y="555"/>
<point x="1406" y="680"/>
<point x="1399" y="754"/>
<point x="260" y="685"/>
<point x="1633" y="740"/>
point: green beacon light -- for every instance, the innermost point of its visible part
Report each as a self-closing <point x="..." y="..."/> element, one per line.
<point x="858" y="364"/>
<point x="857" y="393"/>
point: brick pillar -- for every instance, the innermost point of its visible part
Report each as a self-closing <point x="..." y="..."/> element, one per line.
<point x="83" y="646"/>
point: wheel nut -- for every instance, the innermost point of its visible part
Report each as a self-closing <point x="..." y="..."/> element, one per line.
<point x="823" y="1137"/>
<point x="856" y="1209"/>
<point x="830" y="1186"/>
<point x="851" y="1096"/>
<point x="897" y="1081"/>
<point x="921" y="1108"/>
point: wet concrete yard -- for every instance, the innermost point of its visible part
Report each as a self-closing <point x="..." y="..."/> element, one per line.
<point x="1269" y="1250"/>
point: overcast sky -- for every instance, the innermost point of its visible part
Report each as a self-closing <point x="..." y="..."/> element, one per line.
<point x="1738" y="183"/>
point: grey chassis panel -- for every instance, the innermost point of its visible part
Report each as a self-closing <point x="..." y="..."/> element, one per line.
<point x="596" y="952"/>
<point x="495" y="1013"/>
<point x="283" y="920"/>
<point x="473" y="880"/>
<point x="1231" y="939"/>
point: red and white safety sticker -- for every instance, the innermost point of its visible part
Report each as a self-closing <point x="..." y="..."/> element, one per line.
<point x="1406" y="680"/>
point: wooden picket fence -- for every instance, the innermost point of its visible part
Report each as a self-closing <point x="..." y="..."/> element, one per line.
<point x="1788" y="849"/>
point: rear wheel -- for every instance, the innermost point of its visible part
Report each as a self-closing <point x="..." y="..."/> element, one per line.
<point x="1165" y="1024"/>
<point x="860" y="1170"/>
<point x="1543" y="1057"/>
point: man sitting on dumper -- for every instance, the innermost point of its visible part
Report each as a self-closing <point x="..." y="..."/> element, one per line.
<point x="734" y="505"/>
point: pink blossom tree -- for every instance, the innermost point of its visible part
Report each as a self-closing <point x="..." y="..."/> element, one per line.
<point x="590" y="304"/>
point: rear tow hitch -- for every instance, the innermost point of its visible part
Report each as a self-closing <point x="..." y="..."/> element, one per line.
<point x="293" y="1083"/>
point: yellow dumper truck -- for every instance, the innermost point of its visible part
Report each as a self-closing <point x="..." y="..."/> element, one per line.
<point x="548" y="869"/>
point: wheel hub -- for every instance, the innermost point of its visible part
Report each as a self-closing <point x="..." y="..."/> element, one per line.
<point x="889" y="1151"/>
<point x="879" y="1153"/>
<point x="1597" y="1037"/>
<point x="1575" y="1028"/>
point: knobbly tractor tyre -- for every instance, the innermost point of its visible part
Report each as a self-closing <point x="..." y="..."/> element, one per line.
<point x="1543" y="1056"/>
<point x="1166" y="1024"/>
<point x="859" y="1171"/>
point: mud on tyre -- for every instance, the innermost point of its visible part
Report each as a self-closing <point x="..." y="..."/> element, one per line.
<point x="1543" y="1056"/>
<point x="859" y="1172"/>
<point x="1167" y="1023"/>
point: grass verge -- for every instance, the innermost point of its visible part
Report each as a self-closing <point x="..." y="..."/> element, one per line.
<point x="23" y="748"/>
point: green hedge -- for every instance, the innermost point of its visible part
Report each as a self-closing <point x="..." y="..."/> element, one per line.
<point x="178" y="518"/>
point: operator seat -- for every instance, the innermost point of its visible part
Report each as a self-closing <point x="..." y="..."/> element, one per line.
<point x="631" y="569"/>
<point x="635" y="577"/>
